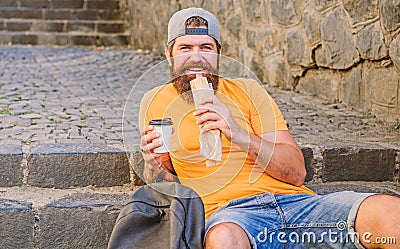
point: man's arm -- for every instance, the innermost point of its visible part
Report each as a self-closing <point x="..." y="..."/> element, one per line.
<point x="158" y="174"/>
<point x="275" y="153"/>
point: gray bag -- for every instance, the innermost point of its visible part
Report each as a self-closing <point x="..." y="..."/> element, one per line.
<point x="160" y="215"/>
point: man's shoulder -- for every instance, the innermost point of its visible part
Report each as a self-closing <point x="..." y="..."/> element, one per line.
<point x="159" y="89"/>
<point x="245" y="84"/>
<point x="239" y="81"/>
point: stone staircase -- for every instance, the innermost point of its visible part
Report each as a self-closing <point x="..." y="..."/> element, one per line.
<point x="62" y="195"/>
<point x="62" y="22"/>
<point x="69" y="195"/>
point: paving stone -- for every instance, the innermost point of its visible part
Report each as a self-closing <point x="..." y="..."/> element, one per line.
<point x="358" y="162"/>
<point x="10" y="165"/>
<point x="31" y="116"/>
<point x="79" y="221"/>
<point x="17" y="221"/>
<point x="68" y="165"/>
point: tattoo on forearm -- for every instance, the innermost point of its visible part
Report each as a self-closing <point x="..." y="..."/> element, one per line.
<point x="160" y="175"/>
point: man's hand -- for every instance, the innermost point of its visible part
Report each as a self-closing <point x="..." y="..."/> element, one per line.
<point x="213" y="114"/>
<point x="154" y="168"/>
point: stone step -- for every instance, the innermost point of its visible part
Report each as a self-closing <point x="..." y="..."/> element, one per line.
<point x="84" y="218"/>
<point x="67" y="38"/>
<point x="72" y="165"/>
<point x="34" y="25"/>
<point x="48" y="218"/>
<point x="61" y="4"/>
<point x="389" y="188"/>
<point x="65" y="165"/>
<point x="60" y="14"/>
<point x="331" y="162"/>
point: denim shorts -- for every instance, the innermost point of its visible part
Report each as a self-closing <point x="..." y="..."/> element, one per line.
<point x="295" y="221"/>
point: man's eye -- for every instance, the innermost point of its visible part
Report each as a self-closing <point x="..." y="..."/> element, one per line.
<point x="185" y="48"/>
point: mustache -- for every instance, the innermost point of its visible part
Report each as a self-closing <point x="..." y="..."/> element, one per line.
<point x="200" y="65"/>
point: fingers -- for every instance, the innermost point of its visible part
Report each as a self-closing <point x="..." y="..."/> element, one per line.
<point x="147" y="143"/>
<point x="208" y="116"/>
<point x="209" y="104"/>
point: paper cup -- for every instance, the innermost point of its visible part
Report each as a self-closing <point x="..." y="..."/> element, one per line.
<point x="164" y="127"/>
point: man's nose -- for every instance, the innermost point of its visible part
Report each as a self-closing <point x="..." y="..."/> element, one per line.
<point x="196" y="56"/>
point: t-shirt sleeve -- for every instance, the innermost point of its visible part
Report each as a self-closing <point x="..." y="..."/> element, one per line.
<point x="265" y="113"/>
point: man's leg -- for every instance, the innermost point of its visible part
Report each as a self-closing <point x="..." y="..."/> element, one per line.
<point x="378" y="222"/>
<point x="227" y="235"/>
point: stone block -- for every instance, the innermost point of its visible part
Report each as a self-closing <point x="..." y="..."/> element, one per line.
<point x="21" y="13"/>
<point x="79" y="221"/>
<point x="311" y="23"/>
<point x="354" y="89"/>
<point x="71" y="4"/>
<point x="85" y="14"/>
<point x="68" y="165"/>
<point x="80" y="26"/>
<point x="109" y="14"/>
<point x="47" y="26"/>
<point x="321" y="83"/>
<point x="389" y="10"/>
<point x="361" y="11"/>
<point x="308" y="158"/>
<point x="361" y="162"/>
<point x="83" y="40"/>
<point x="10" y="165"/>
<point x="17" y="26"/>
<point x="298" y="50"/>
<point x="137" y="164"/>
<point x="361" y="187"/>
<point x="394" y="52"/>
<point x="102" y="4"/>
<point x="284" y="13"/>
<point x="382" y="90"/>
<point x="110" y="28"/>
<point x="60" y="14"/>
<point x="370" y="42"/>
<point x="17" y="222"/>
<point x="114" y="40"/>
<point x="52" y="38"/>
<point x="8" y="3"/>
<point x="35" y="4"/>
<point x="337" y="41"/>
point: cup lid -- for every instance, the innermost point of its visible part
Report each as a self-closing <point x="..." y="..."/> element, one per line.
<point x="163" y="121"/>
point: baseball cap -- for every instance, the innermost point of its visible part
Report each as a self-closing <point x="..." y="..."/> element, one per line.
<point x="177" y="24"/>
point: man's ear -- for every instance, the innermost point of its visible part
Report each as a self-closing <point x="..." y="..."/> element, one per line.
<point x="168" y="55"/>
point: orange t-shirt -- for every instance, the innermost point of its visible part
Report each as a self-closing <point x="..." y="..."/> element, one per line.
<point x="252" y="108"/>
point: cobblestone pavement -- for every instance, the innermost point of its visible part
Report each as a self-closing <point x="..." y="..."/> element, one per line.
<point x="57" y="95"/>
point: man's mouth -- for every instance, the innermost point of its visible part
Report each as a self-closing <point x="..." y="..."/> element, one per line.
<point x="195" y="70"/>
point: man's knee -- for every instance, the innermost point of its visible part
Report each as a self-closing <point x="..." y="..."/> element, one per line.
<point x="378" y="209"/>
<point x="378" y="216"/>
<point x="227" y="235"/>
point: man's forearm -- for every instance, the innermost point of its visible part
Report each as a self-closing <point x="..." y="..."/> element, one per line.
<point x="159" y="174"/>
<point x="282" y="161"/>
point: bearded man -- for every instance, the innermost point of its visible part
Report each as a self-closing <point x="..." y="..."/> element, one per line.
<point x="255" y="197"/>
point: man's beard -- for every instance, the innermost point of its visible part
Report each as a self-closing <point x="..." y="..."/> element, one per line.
<point x="181" y="81"/>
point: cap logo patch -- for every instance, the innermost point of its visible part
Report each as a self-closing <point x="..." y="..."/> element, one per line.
<point x="196" y="31"/>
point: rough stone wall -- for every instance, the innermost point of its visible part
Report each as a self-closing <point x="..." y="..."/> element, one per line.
<point x="341" y="50"/>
